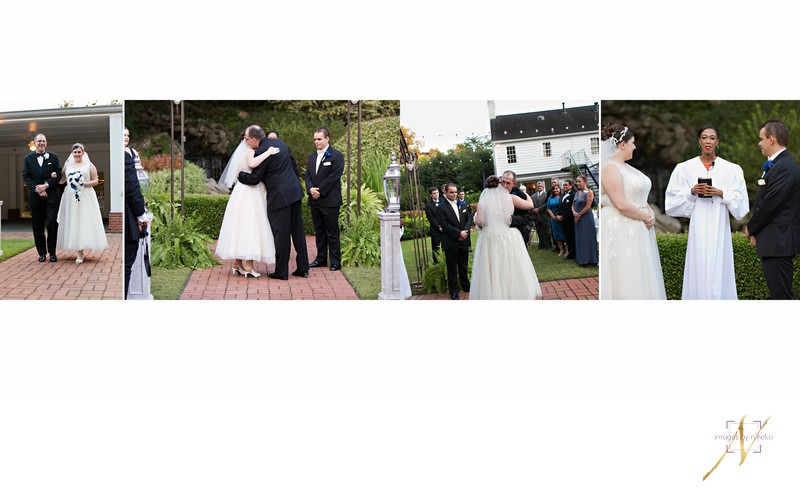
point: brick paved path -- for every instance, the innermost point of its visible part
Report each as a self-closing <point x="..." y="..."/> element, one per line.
<point x="583" y="288"/>
<point x="99" y="277"/>
<point x="218" y="283"/>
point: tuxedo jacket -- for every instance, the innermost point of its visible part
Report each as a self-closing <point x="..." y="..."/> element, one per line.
<point x="565" y="208"/>
<point x="776" y="213"/>
<point x="452" y="226"/>
<point x="328" y="178"/>
<point x="134" y="202"/>
<point x="432" y="213"/>
<point x="541" y="203"/>
<point x="277" y="172"/>
<point x="520" y="218"/>
<point x="32" y="177"/>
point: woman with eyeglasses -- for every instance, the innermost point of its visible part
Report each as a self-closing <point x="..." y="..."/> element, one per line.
<point x="708" y="190"/>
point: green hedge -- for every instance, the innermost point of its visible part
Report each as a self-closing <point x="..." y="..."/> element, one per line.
<point x="208" y="210"/>
<point x="195" y="180"/>
<point x="750" y="283"/>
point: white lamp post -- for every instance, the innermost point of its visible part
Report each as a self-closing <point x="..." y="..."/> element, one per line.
<point x="391" y="256"/>
<point x="139" y="286"/>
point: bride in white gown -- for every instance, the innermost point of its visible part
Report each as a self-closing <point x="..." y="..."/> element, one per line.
<point x="630" y="267"/>
<point x="80" y="224"/>
<point x="245" y="235"/>
<point x="501" y="268"/>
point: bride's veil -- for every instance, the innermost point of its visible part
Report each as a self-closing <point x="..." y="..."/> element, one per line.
<point x="231" y="172"/>
<point x="496" y="207"/>
<point x="84" y="160"/>
<point x="607" y="149"/>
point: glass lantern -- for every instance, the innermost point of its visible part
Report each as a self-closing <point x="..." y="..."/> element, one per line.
<point x="391" y="186"/>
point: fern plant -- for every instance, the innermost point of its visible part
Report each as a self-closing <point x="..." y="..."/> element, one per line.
<point x="434" y="280"/>
<point x="361" y="243"/>
<point x="178" y="243"/>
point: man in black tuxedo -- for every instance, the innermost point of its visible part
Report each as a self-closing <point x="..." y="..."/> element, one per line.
<point x="432" y="213"/>
<point x="774" y="227"/>
<point x="520" y="218"/>
<point x="566" y="217"/>
<point x="324" y="170"/>
<point x="540" y="218"/>
<point x="134" y="211"/>
<point x="455" y="224"/>
<point x="41" y="172"/>
<point x="284" y="195"/>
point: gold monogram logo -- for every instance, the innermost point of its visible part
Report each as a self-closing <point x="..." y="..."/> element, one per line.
<point x="741" y="438"/>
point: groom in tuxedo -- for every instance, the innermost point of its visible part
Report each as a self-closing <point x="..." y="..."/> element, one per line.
<point x="455" y="224"/>
<point x="41" y="172"/>
<point x="324" y="170"/>
<point x="774" y="227"/>
<point x="284" y="194"/>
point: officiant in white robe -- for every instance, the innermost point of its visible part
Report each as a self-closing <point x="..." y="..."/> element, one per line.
<point x="709" y="272"/>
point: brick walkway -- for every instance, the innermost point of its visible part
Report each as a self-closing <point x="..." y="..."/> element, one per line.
<point x="99" y="277"/>
<point x="582" y="288"/>
<point x="218" y="283"/>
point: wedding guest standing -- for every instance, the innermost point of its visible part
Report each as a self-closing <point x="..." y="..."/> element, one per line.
<point x="324" y="186"/>
<point x="455" y="240"/>
<point x="432" y="213"/>
<point x="553" y="205"/>
<point x="566" y="217"/>
<point x="707" y="189"/>
<point x="585" y="228"/>
<point x="540" y="217"/>
<point x="41" y="172"/>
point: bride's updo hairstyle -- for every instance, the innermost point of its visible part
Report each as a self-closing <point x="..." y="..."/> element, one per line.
<point x="492" y="182"/>
<point x="617" y="133"/>
<point x="78" y="146"/>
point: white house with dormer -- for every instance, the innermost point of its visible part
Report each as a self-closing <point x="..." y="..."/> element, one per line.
<point x="544" y="144"/>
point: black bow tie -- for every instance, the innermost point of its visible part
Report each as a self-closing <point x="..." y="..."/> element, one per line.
<point x="40" y="154"/>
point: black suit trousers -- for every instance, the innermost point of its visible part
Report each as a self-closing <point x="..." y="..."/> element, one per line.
<point x="778" y="274"/>
<point x="457" y="262"/>
<point x="569" y="233"/>
<point x="44" y="216"/>
<point x="287" y="227"/>
<point x="326" y="230"/>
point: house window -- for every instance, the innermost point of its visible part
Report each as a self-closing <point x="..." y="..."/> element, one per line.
<point x="511" y="154"/>
<point x="546" y="149"/>
<point x="595" y="143"/>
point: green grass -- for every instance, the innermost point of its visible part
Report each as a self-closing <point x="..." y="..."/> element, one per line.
<point x="549" y="267"/>
<point x="168" y="284"/>
<point x="12" y="247"/>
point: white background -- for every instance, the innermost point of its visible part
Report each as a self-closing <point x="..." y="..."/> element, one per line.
<point x="395" y="399"/>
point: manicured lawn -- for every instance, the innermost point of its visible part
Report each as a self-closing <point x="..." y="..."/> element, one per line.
<point x="168" y="284"/>
<point x="12" y="247"/>
<point x="548" y="266"/>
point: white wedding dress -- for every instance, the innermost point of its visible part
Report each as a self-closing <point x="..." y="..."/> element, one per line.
<point x="245" y="233"/>
<point x="501" y="268"/>
<point x="630" y="267"/>
<point x="80" y="224"/>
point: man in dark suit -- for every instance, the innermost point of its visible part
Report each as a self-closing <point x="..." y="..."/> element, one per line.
<point x="284" y="194"/>
<point x="774" y="227"/>
<point x="566" y="217"/>
<point x="540" y="218"/>
<point x="432" y="213"/>
<point x="134" y="210"/>
<point x="41" y="172"/>
<point x="455" y="224"/>
<point x="324" y="170"/>
<point x="520" y="218"/>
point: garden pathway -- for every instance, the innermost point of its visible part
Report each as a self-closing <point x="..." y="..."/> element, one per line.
<point x="99" y="277"/>
<point x="573" y="289"/>
<point x="218" y="283"/>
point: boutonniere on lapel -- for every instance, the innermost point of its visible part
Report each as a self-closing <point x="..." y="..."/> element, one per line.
<point x="327" y="154"/>
<point x="46" y="155"/>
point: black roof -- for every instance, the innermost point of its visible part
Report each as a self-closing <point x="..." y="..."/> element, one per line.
<point x="545" y="123"/>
